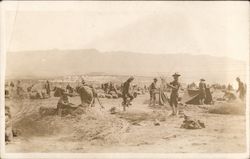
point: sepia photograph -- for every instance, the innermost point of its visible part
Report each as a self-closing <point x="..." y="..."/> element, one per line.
<point x="125" y="79"/>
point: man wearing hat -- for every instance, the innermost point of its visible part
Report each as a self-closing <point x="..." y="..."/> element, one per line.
<point x="175" y="85"/>
<point x="241" y="89"/>
<point x="202" y="91"/>
<point x="152" y="92"/>
<point x="126" y="92"/>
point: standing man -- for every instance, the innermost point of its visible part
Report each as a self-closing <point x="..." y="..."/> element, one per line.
<point x="69" y="89"/>
<point x="175" y="85"/>
<point x="152" y="92"/>
<point x="241" y="89"/>
<point x="19" y="88"/>
<point x="106" y="87"/>
<point x="202" y="91"/>
<point x="47" y="87"/>
<point x="126" y="93"/>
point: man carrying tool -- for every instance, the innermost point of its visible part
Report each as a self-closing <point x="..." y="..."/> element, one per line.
<point x="126" y="93"/>
<point x="175" y="85"/>
<point x="152" y="92"/>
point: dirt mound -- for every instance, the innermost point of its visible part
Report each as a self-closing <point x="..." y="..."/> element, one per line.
<point x="235" y="107"/>
<point x="95" y="125"/>
<point x="100" y="131"/>
<point x="137" y="117"/>
<point x="33" y="125"/>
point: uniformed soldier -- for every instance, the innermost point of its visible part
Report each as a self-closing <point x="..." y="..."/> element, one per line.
<point x="152" y="92"/>
<point x="87" y="94"/>
<point x="126" y="92"/>
<point x="241" y="89"/>
<point x="19" y="88"/>
<point x="47" y="87"/>
<point x="175" y="85"/>
<point x="202" y="91"/>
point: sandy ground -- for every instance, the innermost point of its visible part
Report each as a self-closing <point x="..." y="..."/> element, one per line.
<point x="137" y="132"/>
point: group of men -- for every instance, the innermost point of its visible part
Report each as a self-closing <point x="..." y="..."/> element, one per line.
<point x="87" y="93"/>
<point x="174" y="96"/>
<point x="175" y="86"/>
<point x="109" y="87"/>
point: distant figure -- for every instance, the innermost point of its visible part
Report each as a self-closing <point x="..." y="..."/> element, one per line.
<point x="152" y="92"/>
<point x="175" y="85"/>
<point x="145" y="88"/>
<point x="241" y="89"/>
<point x="47" y="87"/>
<point x="63" y="103"/>
<point x="230" y="87"/>
<point x="202" y="91"/>
<point x="126" y="92"/>
<point x="29" y="88"/>
<point x="12" y="84"/>
<point x="112" y="87"/>
<point x="19" y="88"/>
<point x="106" y="87"/>
<point x="69" y="89"/>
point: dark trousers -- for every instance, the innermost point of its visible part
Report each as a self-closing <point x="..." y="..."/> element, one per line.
<point x="125" y="98"/>
<point x="173" y="99"/>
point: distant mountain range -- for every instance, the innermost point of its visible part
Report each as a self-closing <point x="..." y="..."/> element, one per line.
<point x="52" y="63"/>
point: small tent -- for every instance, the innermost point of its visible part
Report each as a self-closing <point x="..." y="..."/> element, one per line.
<point x="191" y="96"/>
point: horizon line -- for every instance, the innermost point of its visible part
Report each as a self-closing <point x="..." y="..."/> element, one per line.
<point x="126" y="51"/>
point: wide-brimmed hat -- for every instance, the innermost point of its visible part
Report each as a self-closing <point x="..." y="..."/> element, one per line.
<point x="176" y="74"/>
<point x="202" y="79"/>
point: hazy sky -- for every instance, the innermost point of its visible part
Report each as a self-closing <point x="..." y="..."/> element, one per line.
<point x="214" y="28"/>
